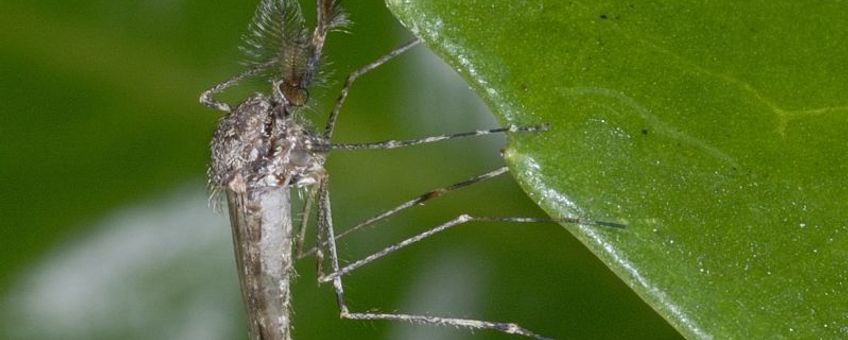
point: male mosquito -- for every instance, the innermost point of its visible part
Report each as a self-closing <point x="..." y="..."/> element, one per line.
<point x="264" y="147"/>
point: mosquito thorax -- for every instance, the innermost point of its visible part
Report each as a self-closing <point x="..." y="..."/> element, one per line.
<point x="260" y="148"/>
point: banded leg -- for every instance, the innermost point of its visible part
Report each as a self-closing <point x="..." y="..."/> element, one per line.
<point x="394" y="144"/>
<point x="417" y="201"/>
<point x="334" y="114"/>
<point x="206" y="97"/>
<point x="326" y="227"/>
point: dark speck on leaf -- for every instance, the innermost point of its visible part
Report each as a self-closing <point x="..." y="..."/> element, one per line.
<point x="604" y="16"/>
<point x="645" y="132"/>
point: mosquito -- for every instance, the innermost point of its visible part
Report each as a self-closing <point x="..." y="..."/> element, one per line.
<point x="264" y="147"/>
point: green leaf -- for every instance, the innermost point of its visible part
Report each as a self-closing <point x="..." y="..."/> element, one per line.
<point x="713" y="129"/>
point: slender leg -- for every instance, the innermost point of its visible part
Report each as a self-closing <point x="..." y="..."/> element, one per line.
<point x="206" y="96"/>
<point x="461" y="219"/>
<point x="334" y="114"/>
<point x="394" y="144"/>
<point x="326" y="226"/>
<point x="417" y="201"/>
<point x="325" y="232"/>
<point x="304" y="221"/>
<point x="423" y="199"/>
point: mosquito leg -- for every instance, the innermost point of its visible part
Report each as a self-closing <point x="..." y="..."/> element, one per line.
<point x="334" y="114"/>
<point x="394" y="144"/>
<point x="461" y="219"/>
<point x="304" y="221"/>
<point x="325" y="232"/>
<point x="417" y="201"/>
<point x="326" y="227"/>
<point x="206" y="97"/>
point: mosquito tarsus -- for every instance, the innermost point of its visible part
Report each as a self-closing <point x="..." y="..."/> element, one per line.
<point x="262" y="148"/>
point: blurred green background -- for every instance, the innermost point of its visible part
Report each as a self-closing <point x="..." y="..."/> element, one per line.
<point x="105" y="228"/>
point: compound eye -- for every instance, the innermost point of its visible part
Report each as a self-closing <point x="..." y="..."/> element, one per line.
<point x="294" y="95"/>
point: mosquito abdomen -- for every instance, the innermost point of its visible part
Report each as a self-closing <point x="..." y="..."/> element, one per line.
<point x="262" y="238"/>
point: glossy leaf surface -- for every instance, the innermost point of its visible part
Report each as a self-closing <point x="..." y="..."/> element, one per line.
<point x="714" y="129"/>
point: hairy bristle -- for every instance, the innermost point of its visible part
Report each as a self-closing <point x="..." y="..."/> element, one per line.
<point x="277" y="35"/>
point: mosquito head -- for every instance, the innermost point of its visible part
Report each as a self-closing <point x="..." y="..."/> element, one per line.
<point x="290" y="94"/>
